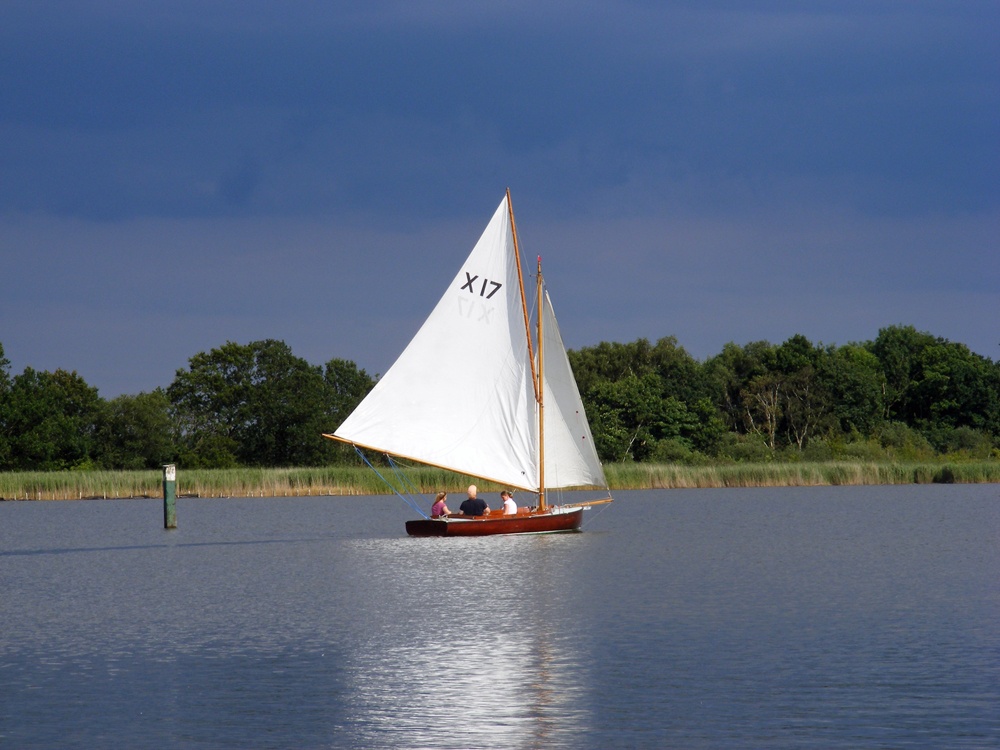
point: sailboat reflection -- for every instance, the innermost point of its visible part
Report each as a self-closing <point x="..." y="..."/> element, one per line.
<point x="474" y="661"/>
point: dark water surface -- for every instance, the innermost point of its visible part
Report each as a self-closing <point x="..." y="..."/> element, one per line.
<point x="825" y="617"/>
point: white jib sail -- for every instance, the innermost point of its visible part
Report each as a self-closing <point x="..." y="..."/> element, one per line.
<point x="460" y="395"/>
<point x="570" y="456"/>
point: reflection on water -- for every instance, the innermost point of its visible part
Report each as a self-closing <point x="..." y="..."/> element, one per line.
<point x="475" y="659"/>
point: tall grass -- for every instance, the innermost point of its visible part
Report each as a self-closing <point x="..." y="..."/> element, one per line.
<point x="243" y="482"/>
<point x="802" y="474"/>
<point x="73" y="485"/>
<point x="249" y="482"/>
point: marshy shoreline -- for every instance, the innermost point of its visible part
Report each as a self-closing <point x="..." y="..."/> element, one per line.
<point x="350" y="481"/>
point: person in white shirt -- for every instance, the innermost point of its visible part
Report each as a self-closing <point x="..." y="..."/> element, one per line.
<point x="509" y="506"/>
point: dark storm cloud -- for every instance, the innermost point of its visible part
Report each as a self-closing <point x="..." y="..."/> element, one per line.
<point x="718" y="171"/>
<point x="164" y="115"/>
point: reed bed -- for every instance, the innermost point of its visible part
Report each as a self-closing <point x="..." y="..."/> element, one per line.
<point x="243" y="482"/>
<point x="298" y="482"/>
<point x="804" y="474"/>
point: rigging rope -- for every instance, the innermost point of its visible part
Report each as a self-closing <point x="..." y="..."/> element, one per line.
<point x="587" y="522"/>
<point x="405" y="498"/>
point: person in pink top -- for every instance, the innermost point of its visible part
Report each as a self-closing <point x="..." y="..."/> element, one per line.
<point x="440" y="508"/>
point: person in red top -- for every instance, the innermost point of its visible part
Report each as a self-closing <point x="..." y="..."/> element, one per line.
<point x="440" y="508"/>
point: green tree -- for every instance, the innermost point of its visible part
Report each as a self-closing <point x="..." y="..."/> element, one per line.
<point x="933" y="383"/>
<point x="49" y="419"/>
<point x="762" y="400"/>
<point x="709" y="428"/>
<point x="796" y="354"/>
<point x="954" y="388"/>
<point x="680" y="374"/>
<point x="255" y="404"/>
<point x="629" y="412"/>
<point x="346" y="385"/>
<point x="136" y="432"/>
<point x="807" y="406"/>
<point x="805" y="403"/>
<point x="898" y="349"/>
<point x="610" y="362"/>
<point x="728" y="376"/>
<point x="259" y="405"/>
<point x="853" y="377"/>
<point x="645" y="401"/>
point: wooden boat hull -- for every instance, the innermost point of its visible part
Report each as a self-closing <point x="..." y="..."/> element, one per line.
<point x="549" y="522"/>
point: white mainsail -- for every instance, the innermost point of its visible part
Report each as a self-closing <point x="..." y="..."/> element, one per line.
<point x="461" y="395"/>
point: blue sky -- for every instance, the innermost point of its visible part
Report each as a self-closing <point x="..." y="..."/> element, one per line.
<point x="175" y="175"/>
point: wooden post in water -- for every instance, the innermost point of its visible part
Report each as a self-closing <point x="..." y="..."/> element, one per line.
<point x="169" y="496"/>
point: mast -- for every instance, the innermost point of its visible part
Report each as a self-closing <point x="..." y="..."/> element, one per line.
<point x="539" y="394"/>
<point x="524" y="301"/>
<point x="536" y="376"/>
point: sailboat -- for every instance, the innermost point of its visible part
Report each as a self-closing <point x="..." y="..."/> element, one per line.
<point x="475" y="393"/>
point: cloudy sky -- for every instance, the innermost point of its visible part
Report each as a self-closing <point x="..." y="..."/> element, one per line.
<point x="175" y="175"/>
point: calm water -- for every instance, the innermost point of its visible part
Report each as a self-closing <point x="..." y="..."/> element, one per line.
<point x="826" y="617"/>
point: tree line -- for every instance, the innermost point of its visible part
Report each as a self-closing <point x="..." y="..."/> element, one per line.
<point x="238" y="405"/>
<point x="907" y="395"/>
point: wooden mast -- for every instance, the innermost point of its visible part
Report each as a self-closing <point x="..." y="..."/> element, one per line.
<point x="536" y="376"/>
<point x="524" y="301"/>
<point x="540" y="394"/>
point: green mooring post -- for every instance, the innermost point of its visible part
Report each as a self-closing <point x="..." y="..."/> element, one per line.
<point x="169" y="496"/>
